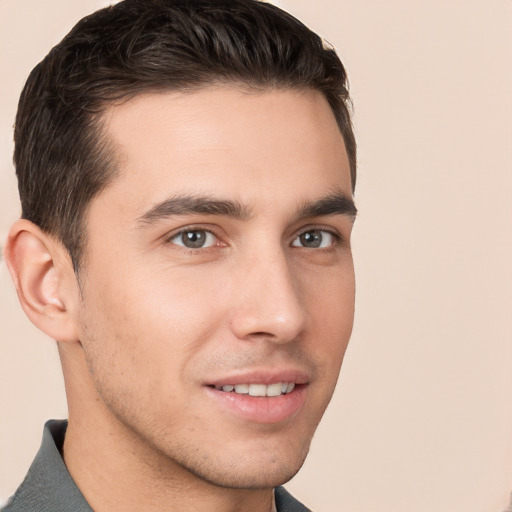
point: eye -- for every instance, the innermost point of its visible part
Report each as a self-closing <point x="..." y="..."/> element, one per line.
<point x="194" y="239"/>
<point x="314" y="239"/>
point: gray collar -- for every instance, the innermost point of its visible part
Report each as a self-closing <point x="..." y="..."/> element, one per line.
<point x="49" y="486"/>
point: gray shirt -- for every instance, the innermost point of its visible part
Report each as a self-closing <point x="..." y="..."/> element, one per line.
<point x="48" y="485"/>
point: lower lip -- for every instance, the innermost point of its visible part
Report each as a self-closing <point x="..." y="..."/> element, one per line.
<point x="261" y="409"/>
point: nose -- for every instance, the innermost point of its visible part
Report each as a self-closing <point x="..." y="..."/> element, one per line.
<point x="269" y="303"/>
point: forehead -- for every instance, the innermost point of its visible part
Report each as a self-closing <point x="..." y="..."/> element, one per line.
<point x="226" y="142"/>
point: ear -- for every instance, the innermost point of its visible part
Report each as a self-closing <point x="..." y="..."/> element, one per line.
<point x="44" y="278"/>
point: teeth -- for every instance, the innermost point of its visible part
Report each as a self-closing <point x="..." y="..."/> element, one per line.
<point x="257" y="390"/>
<point x="275" y="389"/>
<point x="242" y="389"/>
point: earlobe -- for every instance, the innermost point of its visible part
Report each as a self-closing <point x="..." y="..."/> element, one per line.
<point x="38" y="267"/>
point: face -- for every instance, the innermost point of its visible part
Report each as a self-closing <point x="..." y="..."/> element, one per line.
<point x="218" y="269"/>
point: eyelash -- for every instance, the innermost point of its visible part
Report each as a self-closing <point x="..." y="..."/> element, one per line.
<point x="337" y="238"/>
<point x="169" y="238"/>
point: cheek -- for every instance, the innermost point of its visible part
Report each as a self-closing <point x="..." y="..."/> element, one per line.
<point x="138" y="351"/>
<point x="330" y="299"/>
<point x="331" y="311"/>
<point x="152" y="321"/>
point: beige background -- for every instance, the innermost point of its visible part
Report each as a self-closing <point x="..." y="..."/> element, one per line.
<point x="422" y="419"/>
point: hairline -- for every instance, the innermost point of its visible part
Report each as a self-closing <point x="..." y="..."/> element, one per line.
<point x="110" y="152"/>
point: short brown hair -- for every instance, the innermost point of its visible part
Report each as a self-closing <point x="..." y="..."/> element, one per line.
<point x="138" y="46"/>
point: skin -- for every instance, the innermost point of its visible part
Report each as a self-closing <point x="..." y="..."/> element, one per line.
<point x="153" y="323"/>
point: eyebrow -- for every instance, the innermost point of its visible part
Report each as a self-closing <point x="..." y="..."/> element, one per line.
<point x="333" y="204"/>
<point x="186" y="205"/>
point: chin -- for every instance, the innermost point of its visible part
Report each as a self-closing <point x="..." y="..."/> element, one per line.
<point x="253" y="462"/>
<point x="249" y="475"/>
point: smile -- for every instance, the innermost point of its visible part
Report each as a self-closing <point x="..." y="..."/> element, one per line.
<point x="261" y="390"/>
<point x="260" y="403"/>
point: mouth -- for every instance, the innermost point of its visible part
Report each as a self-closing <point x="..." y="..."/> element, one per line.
<point x="260" y="397"/>
<point x="257" y="389"/>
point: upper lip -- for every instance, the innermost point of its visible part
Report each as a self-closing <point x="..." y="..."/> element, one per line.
<point x="262" y="376"/>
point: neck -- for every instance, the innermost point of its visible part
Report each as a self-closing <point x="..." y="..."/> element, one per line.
<point x="116" y="469"/>
<point x="113" y="473"/>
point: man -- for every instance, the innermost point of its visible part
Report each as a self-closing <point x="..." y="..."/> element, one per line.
<point x="186" y="172"/>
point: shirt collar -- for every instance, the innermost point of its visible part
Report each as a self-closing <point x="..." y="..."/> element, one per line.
<point x="48" y="482"/>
